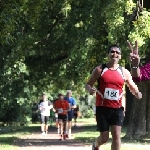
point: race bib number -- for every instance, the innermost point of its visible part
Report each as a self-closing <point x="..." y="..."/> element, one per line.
<point x="111" y="94"/>
<point x="60" y="110"/>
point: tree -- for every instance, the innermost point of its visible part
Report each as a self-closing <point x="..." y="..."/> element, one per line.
<point x="53" y="45"/>
<point x="139" y="117"/>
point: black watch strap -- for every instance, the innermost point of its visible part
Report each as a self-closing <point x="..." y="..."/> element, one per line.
<point x="134" y="67"/>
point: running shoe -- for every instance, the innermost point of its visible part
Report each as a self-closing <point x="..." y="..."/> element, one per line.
<point x="46" y="133"/>
<point x="43" y="133"/>
<point x="64" y="136"/>
<point x="67" y="136"/>
<point x="61" y="137"/>
<point x="94" y="147"/>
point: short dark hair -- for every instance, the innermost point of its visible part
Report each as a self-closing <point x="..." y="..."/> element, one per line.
<point x="60" y="94"/>
<point x="113" y="45"/>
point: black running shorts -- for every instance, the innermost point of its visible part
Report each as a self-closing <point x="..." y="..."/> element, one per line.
<point x="106" y="117"/>
<point x="62" y="117"/>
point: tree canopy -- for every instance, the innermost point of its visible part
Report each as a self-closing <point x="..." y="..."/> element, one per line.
<point x="53" y="45"/>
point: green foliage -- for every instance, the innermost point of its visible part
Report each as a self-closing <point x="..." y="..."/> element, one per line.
<point x="53" y="46"/>
<point x="86" y="106"/>
<point x="89" y="114"/>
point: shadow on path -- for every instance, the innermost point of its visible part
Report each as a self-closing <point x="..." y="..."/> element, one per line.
<point x="36" y="140"/>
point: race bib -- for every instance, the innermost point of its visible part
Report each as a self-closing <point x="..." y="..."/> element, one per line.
<point x="111" y="94"/>
<point x="60" y="110"/>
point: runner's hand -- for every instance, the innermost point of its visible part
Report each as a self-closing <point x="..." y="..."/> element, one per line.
<point x="92" y="90"/>
<point x="138" y="95"/>
<point x="134" y="57"/>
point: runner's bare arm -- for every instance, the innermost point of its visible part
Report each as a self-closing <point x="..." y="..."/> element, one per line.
<point x="68" y="108"/>
<point x="132" y="86"/>
<point x="94" y="76"/>
<point x="124" y="103"/>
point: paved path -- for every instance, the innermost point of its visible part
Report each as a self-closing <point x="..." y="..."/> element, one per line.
<point x="51" y="142"/>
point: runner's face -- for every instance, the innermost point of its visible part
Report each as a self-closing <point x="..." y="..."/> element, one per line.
<point x="69" y="94"/>
<point x="114" y="54"/>
<point x="44" y="97"/>
<point x="61" y="97"/>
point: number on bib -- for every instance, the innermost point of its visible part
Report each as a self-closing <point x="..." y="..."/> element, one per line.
<point x="111" y="94"/>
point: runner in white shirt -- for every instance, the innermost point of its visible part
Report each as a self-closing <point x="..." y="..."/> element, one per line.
<point x="44" y="107"/>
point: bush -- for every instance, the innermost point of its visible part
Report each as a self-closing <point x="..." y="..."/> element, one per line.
<point x="88" y="114"/>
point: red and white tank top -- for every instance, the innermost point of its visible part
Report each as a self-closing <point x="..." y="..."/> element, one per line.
<point x="110" y="89"/>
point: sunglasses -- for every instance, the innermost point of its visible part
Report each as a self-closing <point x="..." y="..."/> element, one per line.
<point x="117" y="52"/>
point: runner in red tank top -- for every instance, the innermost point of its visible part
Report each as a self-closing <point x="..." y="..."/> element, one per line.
<point x="109" y="105"/>
<point x="111" y="82"/>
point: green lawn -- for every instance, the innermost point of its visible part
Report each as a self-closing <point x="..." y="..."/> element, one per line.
<point x="8" y="135"/>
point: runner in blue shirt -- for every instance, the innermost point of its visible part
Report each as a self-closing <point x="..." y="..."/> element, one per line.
<point x="72" y="103"/>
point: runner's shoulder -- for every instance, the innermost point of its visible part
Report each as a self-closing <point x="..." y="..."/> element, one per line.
<point x="97" y="69"/>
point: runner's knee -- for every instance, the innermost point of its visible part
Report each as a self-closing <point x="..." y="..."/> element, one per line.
<point x="104" y="137"/>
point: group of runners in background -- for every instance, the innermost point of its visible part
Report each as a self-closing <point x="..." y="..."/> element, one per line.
<point x="62" y="111"/>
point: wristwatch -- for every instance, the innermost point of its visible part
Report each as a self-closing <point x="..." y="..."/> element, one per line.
<point x="134" y="67"/>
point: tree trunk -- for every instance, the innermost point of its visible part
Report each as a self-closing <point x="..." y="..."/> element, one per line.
<point x="139" y="122"/>
<point x="148" y="114"/>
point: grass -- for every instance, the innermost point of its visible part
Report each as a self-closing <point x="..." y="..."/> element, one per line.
<point x="87" y="134"/>
<point x="8" y="135"/>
